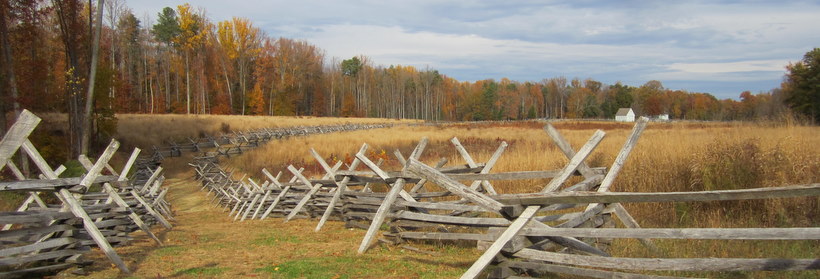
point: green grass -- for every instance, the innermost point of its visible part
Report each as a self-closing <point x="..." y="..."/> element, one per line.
<point x="73" y="169"/>
<point x="353" y="266"/>
<point x="205" y="270"/>
<point x="322" y="267"/>
<point x="169" y="251"/>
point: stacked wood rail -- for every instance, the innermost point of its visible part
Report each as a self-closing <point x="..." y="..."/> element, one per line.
<point x="242" y="197"/>
<point x="529" y="234"/>
<point x="236" y="142"/>
<point x="416" y="212"/>
<point x="533" y="259"/>
<point x="101" y="208"/>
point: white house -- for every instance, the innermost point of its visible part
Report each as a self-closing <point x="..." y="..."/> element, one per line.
<point x="625" y="115"/>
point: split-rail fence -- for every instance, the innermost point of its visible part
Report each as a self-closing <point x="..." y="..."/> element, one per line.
<point x="62" y="218"/>
<point x="527" y="234"/>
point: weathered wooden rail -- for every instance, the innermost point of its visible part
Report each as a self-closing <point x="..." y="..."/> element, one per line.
<point x="562" y="229"/>
<point x="237" y="142"/>
<point x="92" y="210"/>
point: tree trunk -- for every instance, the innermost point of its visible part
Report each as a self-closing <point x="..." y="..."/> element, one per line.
<point x="203" y="97"/>
<point x="271" y="94"/>
<point x="89" y="98"/>
<point x="167" y="81"/>
<point x="187" y="84"/>
<point x="242" y="83"/>
<point x="227" y="83"/>
<point x="176" y="85"/>
<point x="11" y="81"/>
<point x="9" y="67"/>
<point x="151" y="89"/>
<point x="332" y="93"/>
<point x="68" y="14"/>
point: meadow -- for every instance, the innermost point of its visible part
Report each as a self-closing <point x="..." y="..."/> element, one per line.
<point x="668" y="157"/>
<point x="145" y="130"/>
<point x="676" y="156"/>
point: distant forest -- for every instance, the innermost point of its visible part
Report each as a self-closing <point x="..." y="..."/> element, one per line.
<point x="187" y="63"/>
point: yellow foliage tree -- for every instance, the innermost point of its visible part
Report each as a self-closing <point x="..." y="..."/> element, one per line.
<point x="256" y="102"/>
<point x="242" y="43"/>
<point x="189" y="39"/>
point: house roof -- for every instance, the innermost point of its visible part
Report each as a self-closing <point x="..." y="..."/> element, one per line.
<point x="623" y="111"/>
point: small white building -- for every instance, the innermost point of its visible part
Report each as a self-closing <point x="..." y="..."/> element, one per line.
<point x="625" y="115"/>
<point x="662" y="117"/>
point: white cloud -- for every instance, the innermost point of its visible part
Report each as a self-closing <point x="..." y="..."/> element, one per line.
<point x="729" y="67"/>
<point x="529" y="40"/>
<point x="395" y="43"/>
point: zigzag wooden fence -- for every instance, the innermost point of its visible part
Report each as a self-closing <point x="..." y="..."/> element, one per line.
<point x="523" y="234"/>
<point x="95" y="209"/>
<point x="236" y="142"/>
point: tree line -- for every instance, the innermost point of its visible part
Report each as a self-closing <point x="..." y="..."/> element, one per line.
<point x="185" y="62"/>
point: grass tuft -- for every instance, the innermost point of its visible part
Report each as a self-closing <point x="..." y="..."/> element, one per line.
<point x="272" y="239"/>
<point x="206" y="270"/>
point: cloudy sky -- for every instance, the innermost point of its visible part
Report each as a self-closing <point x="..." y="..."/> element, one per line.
<point x="720" y="47"/>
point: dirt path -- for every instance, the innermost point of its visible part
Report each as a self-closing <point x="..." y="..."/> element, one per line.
<point x="206" y="243"/>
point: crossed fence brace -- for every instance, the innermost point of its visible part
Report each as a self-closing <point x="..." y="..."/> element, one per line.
<point x="47" y="237"/>
<point x="242" y="198"/>
<point x="515" y="237"/>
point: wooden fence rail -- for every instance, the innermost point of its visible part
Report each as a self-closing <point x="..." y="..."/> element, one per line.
<point x="237" y="142"/>
<point x="41" y="238"/>
<point x="564" y="228"/>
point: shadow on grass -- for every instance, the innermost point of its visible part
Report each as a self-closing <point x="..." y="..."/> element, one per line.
<point x="463" y="265"/>
<point x="206" y="269"/>
<point x="138" y="253"/>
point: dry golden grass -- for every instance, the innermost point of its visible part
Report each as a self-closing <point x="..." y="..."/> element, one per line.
<point x="668" y="157"/>
<point x="145" y="130"/>
<point x="205" y="243"/>
<point x="664" y="154"/>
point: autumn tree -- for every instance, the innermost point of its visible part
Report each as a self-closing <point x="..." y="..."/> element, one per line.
<point x="182" y="63"/>
<point x="802" y="85"/>
<point x="74" y="36"/>
<point x="555" y="93"/>
<point x="582" y="101"/>
<point x="189" y="40"/>
<point x="129" y="61"/>
<point x="225" y="42"/>
<point x="648" y="99"/>
<point x="702" y="106"/>
<point x="429" y="80"/>
<point x="241" y="42"/>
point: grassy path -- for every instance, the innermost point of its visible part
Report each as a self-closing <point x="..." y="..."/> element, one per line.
<point x="206" y="243"/>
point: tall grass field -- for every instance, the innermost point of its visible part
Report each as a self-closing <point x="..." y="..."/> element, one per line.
<point x="676" y="156"/>
<point x="668" y="157"/>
